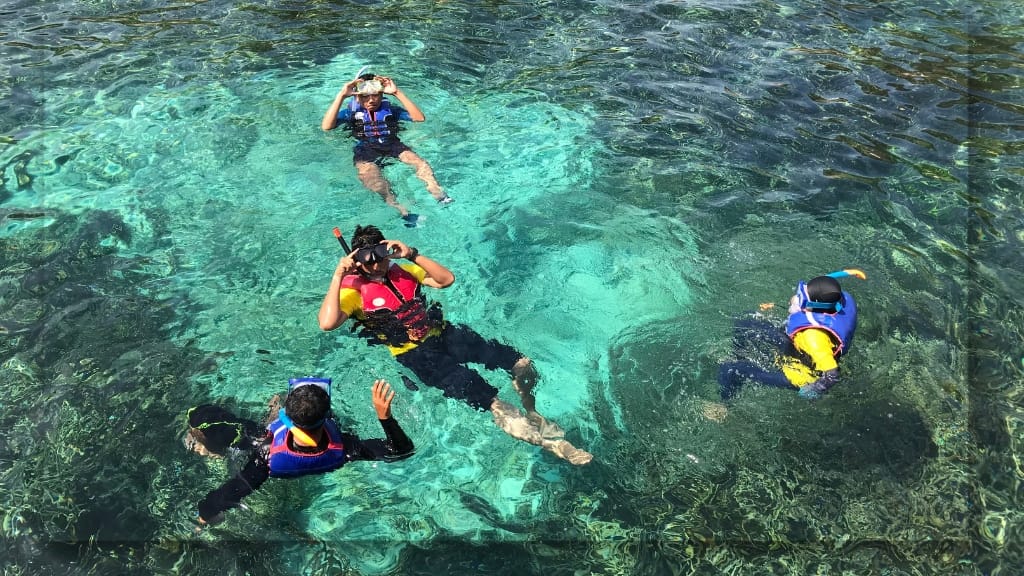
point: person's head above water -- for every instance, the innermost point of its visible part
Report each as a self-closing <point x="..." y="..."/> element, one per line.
<point x="365" y="236"/>
<point x="371" y="256"/>
<point x="307" y="405"/>
<point x="369" y="85"/>
<point x="824" y="290"/>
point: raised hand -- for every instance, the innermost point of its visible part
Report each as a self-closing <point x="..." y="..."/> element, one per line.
<point x="383" y="395"/>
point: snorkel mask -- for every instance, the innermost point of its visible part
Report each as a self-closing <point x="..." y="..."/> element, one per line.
<point x="371" y="254"/>
<point x="368" y="87"/>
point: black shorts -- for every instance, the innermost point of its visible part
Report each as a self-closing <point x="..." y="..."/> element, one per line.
<point x="375" y="152"/>
<point x="438" y="362"/>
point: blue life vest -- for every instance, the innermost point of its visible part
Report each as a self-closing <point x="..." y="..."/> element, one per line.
<point x="287" y="463"/>
<point x="840" y="324"/>
<point x="381" y="130"/>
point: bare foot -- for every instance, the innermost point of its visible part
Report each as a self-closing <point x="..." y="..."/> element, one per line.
<point x="566" y="451"/>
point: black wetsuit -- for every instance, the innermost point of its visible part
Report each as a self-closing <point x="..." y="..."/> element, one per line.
<point x="223" y="430"/>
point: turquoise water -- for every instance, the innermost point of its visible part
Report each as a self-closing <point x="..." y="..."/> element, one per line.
<point x="629" y="178"/>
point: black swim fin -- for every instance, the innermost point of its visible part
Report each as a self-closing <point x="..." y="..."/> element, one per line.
<point x="409" y="383"/>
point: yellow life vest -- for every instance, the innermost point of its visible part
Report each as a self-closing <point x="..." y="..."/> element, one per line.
<point x="818" y="345"/>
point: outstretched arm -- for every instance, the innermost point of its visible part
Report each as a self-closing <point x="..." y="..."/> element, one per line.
<point x="230" y="494"/>
<point x="398" y="445"/>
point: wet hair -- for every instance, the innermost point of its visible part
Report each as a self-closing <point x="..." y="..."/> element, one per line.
<point x="824" y="289"/>
<point x="307" y="406"/>
<point x="366" y="236"/>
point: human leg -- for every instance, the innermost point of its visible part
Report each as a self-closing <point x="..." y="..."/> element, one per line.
<point x="372" y="177"/>
<point x="524" y="380"/>
<point x="425" y="173"/>
<point x="732" y="376"/>
<point x="213" y="430"/>
<point x="438" y="362"/>
<point x="467" y="345"/>
<point x="435" y="367"/>
<point x="515" y="424"/>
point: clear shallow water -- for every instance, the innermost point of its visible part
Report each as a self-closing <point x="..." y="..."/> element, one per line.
<point x="628" y="178"/>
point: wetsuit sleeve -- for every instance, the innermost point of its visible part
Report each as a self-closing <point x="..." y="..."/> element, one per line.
<point x="395" y="446"/>
<point x="350" y="302"/>
<point x="230" y="494"/>
<point x="398" y="444"/>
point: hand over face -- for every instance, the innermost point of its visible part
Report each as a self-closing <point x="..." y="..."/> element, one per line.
<point x="347" y="264"/>
<point x="350" y="87"/>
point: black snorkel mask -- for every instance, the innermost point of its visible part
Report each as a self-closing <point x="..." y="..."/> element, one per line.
<point x="365" y="255"/>
<point x="371" y="254"/>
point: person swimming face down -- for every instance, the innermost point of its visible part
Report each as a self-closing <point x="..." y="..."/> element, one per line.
<point x="824" y="294"/>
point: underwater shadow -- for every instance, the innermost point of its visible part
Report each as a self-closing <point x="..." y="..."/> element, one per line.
<point x="878" y="436"/>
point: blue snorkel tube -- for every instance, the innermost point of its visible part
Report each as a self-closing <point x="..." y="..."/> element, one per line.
<point x="835" y="307"/>
<point x="855" y="272"/>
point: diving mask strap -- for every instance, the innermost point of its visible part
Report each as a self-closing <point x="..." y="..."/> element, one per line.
<point x="297" y="432"/>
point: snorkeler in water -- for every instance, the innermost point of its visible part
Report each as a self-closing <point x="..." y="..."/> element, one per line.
<point x="385" y="298"/>
<point x="374" y="122"/>
<point x="302" y="438"/>
<point x="805" y="357"/>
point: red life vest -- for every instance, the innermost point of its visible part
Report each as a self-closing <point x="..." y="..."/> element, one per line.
<point x="396" y="298"/>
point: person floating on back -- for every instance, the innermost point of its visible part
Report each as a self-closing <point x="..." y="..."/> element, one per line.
<point x="386" y="299"/>
<point x="819" y="330"/>
<point x="301" y="439"/>
<point x="374" y="122"/>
